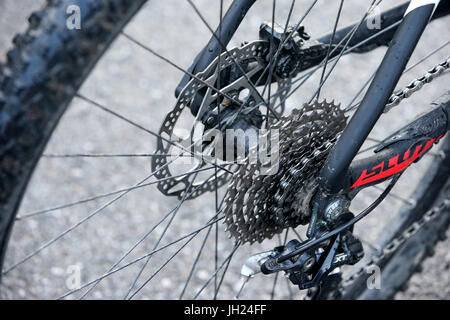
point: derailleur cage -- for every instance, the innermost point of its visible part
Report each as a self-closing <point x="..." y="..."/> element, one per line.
<point x="311" y="267"/>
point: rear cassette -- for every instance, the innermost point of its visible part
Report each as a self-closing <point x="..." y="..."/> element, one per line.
<point x="259" y="206"/>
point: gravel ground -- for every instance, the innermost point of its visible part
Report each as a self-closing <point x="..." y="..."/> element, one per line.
<point x="139" y="86"/>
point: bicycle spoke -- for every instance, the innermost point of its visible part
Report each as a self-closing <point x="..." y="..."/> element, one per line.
<point x="194" y="265"/>
<point x="330" y="45"/>
<point x="236" y="246"/>
<point x="270" y="66"/>
<point x="289" y="288"/>
<point x="351" y="106"/>
<point x="195" y="232"/>
<point x="180" y="203"/>
<point x="302" y="79"/>
<point x="252" y="85"/>
<point x="137" y="243"/>
<point x="143" y="46"/>
<point x="129" y="251"/>
<point x="176" y="253"/>
<point x="216" y="292"/>
<point x="103" y="155"/>
<point x="305" y="77"/>
<point x="299" y="237"/>
<point x="373" y="5"/>
<point x="76" y="225"/>
<point x="106" y="109"/>
<point x="104" y="195"/>
<point x="216" y="192"/>
<point x="160" y="268"/>
<point x="269" y="79"/>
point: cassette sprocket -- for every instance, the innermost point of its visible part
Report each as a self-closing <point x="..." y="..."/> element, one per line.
<point x="259" y="206"/>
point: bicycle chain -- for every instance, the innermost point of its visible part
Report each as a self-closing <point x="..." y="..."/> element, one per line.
<point x="396" y="243"/>
<point x="417" y="84"/>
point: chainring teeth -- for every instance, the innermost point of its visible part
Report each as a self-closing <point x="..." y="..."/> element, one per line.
<point x="275" y="202"/>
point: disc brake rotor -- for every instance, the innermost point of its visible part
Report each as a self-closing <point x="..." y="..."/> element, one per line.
<point x="259" y="206"/>
<point x="251" y="52"/>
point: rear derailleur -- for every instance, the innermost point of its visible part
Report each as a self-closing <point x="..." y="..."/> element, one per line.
<point x="313" y="266"/>
<point x="311" y="269"/>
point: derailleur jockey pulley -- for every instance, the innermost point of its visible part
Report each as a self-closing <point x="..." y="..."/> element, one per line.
<point x="310" y="268"/>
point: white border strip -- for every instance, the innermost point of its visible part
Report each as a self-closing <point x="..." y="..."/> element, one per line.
<point x="414" y="4"/>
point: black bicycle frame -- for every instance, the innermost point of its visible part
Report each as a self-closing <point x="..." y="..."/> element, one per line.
<point x="372" y="105"/>
<point x="396" y="153"/>
<point x="366" y="38"/>
<point x="401" y="29"/>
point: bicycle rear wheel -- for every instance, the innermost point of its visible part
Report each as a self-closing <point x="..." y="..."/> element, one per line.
<point x="44" y="72"/>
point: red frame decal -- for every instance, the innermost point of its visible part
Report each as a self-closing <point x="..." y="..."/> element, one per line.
<point x="392" y="166"/>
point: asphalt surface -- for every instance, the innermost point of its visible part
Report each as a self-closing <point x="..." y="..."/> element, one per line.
<point x="134" y="83"/>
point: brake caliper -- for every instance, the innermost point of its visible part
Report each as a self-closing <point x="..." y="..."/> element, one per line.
<point x="297" y="52"/>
